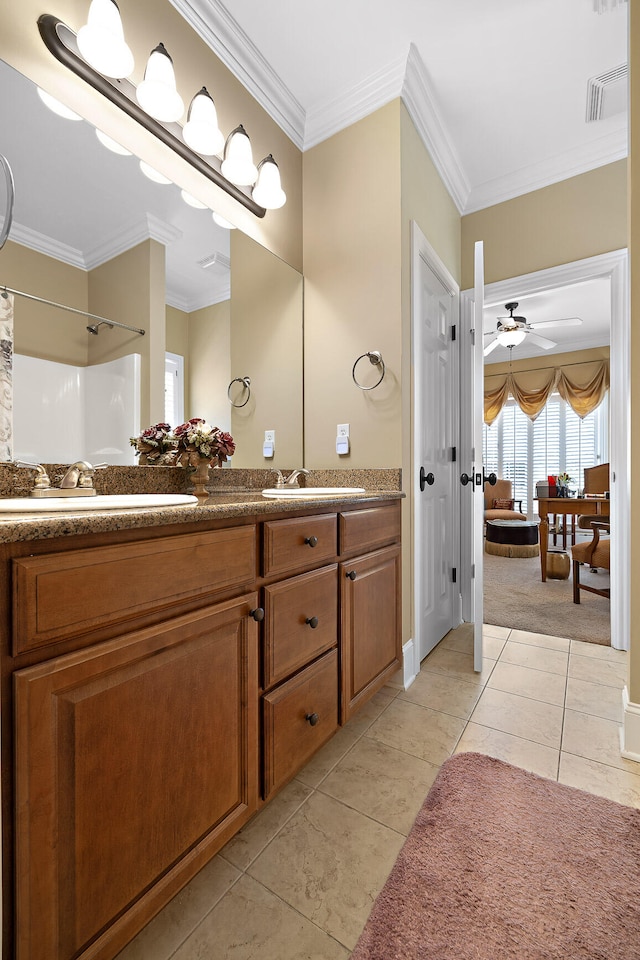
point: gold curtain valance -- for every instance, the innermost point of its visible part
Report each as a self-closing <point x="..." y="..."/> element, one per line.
<point x="582" y="385"/>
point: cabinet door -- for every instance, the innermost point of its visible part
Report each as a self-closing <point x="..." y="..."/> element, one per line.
<point x="370" y="638"/>
<point x="136" y="761"/>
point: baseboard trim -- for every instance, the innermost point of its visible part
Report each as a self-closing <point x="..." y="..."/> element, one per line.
<point x="410" y="669"/>
<point x="630" y="729"/>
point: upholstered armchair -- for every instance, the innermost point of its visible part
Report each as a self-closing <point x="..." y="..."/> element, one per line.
<point x="499" y="503"/>
<point x="595" y="553"/>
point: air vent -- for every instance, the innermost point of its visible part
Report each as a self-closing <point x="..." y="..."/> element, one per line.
<point x="215" y="260"/>
<point x="607" y="94"/>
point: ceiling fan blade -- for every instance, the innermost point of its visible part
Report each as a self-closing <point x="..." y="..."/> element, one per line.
<point x="541" y="341"/>
<point x="567" y="321"/>
<point x="490" y="346"/>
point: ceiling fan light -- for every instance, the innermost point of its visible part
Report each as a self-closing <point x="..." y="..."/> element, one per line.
<point x="157" y="94"/>
<point x="225" y="224"/>
<point x="61" y="109"/>
<point x="238" y="165"/>
<point x="268" y="190"/>
<point x="101" y="41"/>
<point x="201" y="131"/>
<point x="511" y="338"/>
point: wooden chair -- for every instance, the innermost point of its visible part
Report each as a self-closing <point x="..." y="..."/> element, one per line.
<point x="596" y="480"/>
<point x="595" y="553"/>
<point x="503" y="490"/>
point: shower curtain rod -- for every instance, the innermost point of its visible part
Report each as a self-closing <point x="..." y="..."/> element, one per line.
<point x="63" y="306"/>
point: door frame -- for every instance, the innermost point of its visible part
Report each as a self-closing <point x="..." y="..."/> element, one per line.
<point x="612" y="266"/>
<point x="420" y="246"/>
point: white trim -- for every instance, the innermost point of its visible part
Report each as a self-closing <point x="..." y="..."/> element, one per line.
<point x="614" y="266"/>
<point x="190" y="305"/>
<point x="410" y="666"/>
<point x="41" y="243"/>
<point x="630" y="729"/>
<point x="148" y="227"/>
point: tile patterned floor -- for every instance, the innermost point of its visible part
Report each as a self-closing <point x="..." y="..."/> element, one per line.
<point x="298" y="882"/>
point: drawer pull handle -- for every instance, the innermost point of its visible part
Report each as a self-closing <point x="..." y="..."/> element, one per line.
<point x="312" y="541"/>
<point x="352" y="575"/>
<point x="257" y="614"/>
<point x="312" y="718"/>
<point x="312" y="621"/>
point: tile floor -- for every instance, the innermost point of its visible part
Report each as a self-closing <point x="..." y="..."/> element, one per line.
<point x="298" y="882"/>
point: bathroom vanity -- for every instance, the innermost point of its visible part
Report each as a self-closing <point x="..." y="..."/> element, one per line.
<point x="164" y="673"/>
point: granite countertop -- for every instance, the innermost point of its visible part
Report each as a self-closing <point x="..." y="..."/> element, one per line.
<point x="221" y="505"/>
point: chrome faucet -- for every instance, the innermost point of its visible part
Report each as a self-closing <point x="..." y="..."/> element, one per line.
<point x="79" y="474"/>
<point x="77" y="481"/>
<point x="291" y="481"/>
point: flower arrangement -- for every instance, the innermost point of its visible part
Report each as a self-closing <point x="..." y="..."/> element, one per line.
<point x="188" y="445"/>
<point x="563" y="479"/>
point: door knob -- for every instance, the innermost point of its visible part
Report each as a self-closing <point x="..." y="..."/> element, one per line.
<point x="312" y="621"/>
<point x="351" y="574"/>
<point x="311" y="541"/>
<point x="312" y="718"/>
<point x="489" y="478"/>
<point x="465" y="479"/>
<point x="427" y="478"/>
<point x="257" y="614"/>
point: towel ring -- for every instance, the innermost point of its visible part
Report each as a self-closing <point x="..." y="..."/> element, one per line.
<point x="246" y="382"/>
<point x="375" y="357"/>
<point x="11" y="196"/>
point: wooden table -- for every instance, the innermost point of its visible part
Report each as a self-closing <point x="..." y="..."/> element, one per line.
<point x="568" y="506"/>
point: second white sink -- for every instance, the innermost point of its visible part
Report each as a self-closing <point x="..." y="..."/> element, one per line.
<point x="309" y="492"/>
<point x="77" y="504"/>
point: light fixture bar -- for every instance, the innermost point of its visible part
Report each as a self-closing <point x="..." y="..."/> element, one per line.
<point x="60" y="40"/>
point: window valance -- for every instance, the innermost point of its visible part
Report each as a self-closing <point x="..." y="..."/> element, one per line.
<point x="582" y="385"/>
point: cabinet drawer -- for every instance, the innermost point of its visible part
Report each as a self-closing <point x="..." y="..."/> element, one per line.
<point x="301" y="621"/>
<point x="61" y="595"/>
<point x="299" y="543"/>
<point x="289" y="738"/>
<point x="362" y="530"/>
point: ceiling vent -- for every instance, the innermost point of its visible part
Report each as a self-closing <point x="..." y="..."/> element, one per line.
<point x="607" y="94"/>
<point x="215" y="260"/>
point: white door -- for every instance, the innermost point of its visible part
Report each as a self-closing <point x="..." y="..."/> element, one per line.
<point x="436" y="528"/>
<point x="471" y="465"/>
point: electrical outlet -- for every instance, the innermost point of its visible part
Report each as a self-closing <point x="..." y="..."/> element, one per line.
<point x="343" y="430"/>
<point x="269" y="436"/>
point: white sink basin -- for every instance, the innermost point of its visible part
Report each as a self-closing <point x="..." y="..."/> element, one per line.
<point x="76" y="504"/>
<point x="309" y="492"/>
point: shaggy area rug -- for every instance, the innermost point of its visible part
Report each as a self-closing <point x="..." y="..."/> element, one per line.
<point x="502" y="864"/>
<point x="516" y="597"/>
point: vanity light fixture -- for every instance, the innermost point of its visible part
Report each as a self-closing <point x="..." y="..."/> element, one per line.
<point x="192" y="201"/>
<point x="61" y="109"/>
<point x="511" y="338"/>
<point x="157" y="93"/>
<point x="152" y="174"/>
<point x="238" y="165"/>
<point x="201" y="131"/>
<point x="112" y="145"/>
<point x="156" y="105"/>
<point x="225" y="224"/>
<point x="101" y="41"/>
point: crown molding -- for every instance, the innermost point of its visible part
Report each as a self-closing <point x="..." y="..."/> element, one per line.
<point x="149" y="227"/>
<point x="189" y="305"/>
<point x="41" y="243"/>
<point x="215" y="25"/>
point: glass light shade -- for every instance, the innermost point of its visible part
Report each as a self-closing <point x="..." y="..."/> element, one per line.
<point x="201" y="131"/>
<point x="152" y="173"/>
<point x="101" y="40"/>
<point x="222" y="222"/>
<point x="157" y="93"/>
<point x="511" y="338"/>
<point x="112" y="145"/>
<point x="268" y="191"/>
<point x="60" y="108"/>
<point x="238" y="165"/>
<point x="192" y="201"/>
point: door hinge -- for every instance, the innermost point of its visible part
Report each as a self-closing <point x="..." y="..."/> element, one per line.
<point x="453" y="331"/>
<point x="473" y="337"/>
<point x="454" y="454"/>
<point x="454" y="574"/>
<point x="473" y="571"/>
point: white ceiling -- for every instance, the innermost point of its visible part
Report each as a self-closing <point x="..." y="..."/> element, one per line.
<point x="497" y="89"/>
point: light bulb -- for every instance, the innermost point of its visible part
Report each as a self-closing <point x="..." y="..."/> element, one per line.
<point x="238" y="165"/>
<point x="222" y="222"/>
<point x="112" y="145"/>
<point x="152" y="173"/>
<point x="101" y="40"/>
<point x="157" y="93"/>
<point x="268" y="191"/>
<point x="201" y="131"/>
<point x="60" y="108"/>
<point x="192" y="201"/>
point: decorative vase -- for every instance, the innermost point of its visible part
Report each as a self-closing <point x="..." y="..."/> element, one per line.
<point x="199" y="478"/>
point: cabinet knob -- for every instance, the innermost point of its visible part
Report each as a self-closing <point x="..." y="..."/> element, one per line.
<point x="312" y="621"/>
<point x="257" y="614"/>
<point x="351" y="575"/>
<point x="312" y="541"/>
<point x="312" y="718"/>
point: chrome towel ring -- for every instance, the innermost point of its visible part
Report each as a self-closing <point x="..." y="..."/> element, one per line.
<point x="246" y="382"/>
<point x="11" y="196"/>
<point x="375" y="357"/>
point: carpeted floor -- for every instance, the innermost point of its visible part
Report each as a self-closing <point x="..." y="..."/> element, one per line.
<point x="516" y="597"/>
<point x="502" y="864"/>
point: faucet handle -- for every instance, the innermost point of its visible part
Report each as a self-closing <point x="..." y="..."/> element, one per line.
<point x="279" y="478"/>
<point x="41" y="481"/>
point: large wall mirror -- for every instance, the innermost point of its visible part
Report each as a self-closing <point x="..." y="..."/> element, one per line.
<point x="93" y="232"/>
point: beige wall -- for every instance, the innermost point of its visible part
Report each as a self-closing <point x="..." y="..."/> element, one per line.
<point x="177" y="335"/>
<point x="266" y="345"/>
<point x="576" y="218"/>
<point x="209" y="366"/>
<point x="145" y="21"/>
<point x="130" y="289"/>
<point x="634" y="248"/>
<point x="352" y="271"/>
<point x="42" y="331"/>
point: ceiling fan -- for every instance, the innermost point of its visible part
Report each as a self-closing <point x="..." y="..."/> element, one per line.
<point x="511" y="331"/>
